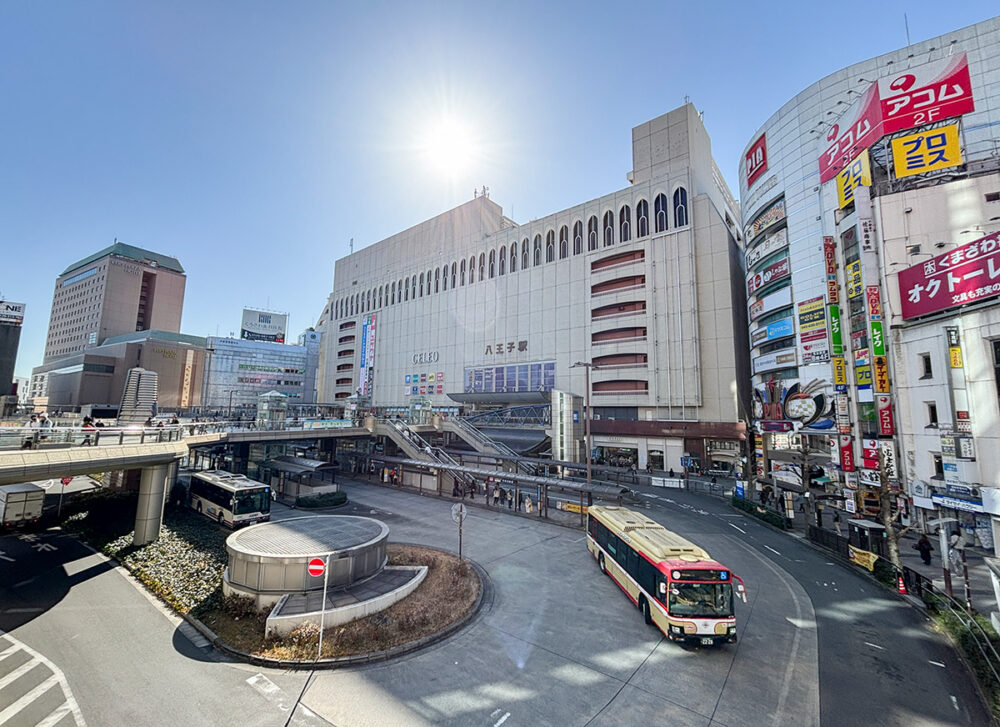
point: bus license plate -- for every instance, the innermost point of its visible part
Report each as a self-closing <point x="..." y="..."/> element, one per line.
<point x="706" y="642"/>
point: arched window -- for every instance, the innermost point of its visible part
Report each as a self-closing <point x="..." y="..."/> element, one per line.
<point x="413" y="287"/>
<point x="421" y="285"/>
<point x="399" y="292"/>
<point x="660" y="210"/>
<point x="625" y="223"/>
<point x="592" y="233"/>
<point x="493" y="263"/>
<point x="380" y="296"/>
<point x="482" y="267"/>
<point x="642" y="218"/>
<point x="463" y="272"/>
<point x="503" y="260"/>
<point x="524" y="254"/>
<point x="513" y="258"/>
<point x="472" y="270"/>
<point x="577" y="237"/>
<point x="454" y="274"/>
<point x="550" y="246"/>
<point x="444" y="278"/>
<point x="680" y="207"/>
<point x="609" y="228"/>
<point x="392" y="293"/>
<point x="536" y="256"/>
<point x="437" y="280"/>
<point x="563" y="242"/>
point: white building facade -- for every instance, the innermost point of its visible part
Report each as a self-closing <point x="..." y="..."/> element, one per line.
<point x="471" y="310"/>
<point x="855" y="189"/>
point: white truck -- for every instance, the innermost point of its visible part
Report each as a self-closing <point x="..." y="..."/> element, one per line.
<point x="20" y="504"/>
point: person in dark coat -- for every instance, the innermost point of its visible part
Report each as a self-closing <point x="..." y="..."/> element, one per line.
<point x="925" y="548"/>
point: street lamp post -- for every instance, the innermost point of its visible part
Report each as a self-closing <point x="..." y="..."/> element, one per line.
<point x="229" y="416"/>
<point x="586" y="365"/>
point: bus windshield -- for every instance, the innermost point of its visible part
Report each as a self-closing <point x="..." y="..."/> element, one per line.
<point x="253" y="501"/>
<point x="706" y="600"/>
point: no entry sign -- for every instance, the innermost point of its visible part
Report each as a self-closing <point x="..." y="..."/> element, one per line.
<point x="316" y="567"/>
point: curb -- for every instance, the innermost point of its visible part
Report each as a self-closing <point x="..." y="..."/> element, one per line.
<point x="486" y="596"/>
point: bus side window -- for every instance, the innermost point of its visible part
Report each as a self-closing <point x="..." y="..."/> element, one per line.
<point x="661" y="588"/>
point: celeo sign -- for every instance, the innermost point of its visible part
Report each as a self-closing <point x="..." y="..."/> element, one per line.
<point x="914" y="97"/>
<point x="964" y="275"/>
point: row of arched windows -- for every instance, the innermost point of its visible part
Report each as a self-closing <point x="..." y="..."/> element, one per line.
<point x="504" y="260"/>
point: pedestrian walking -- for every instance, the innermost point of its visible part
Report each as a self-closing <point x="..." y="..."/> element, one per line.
<point x="924" y="546"/>
<point x="836" y="522"/>
<point x="520" y="501"/>
<point x="30" y="432"/>
<point x="88" y="432"/>
<point x="496" y="494"/>
<point x="44" y="426"/>
<point x="510" y="499"/>
<point x="671" y="473"/>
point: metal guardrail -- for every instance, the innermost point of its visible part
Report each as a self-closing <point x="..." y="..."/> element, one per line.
<point x="17" y="439"/>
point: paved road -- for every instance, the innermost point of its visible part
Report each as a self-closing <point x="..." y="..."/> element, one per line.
<point x="559" y="644"/>
<point x="110" y="656"/>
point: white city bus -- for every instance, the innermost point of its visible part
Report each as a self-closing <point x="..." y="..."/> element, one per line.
<point x="229" y="499"/>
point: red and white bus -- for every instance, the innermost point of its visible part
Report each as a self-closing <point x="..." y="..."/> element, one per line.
<point x="676" y="584"/>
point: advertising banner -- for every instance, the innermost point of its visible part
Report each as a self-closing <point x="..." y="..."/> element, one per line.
<point x="830" y="258"/>
<point x="917" y="96"/>
<point x="367" y="377"/>
<point x="878" y="340"/>
<point x="769" y="244"/>
<point x="964" y="275"/>
<point x="259" y="325"/>
<point x="836" y="337"/>
<point x="874" y="301"/>
<point x="888" y="449"/>
<point x="774" y="301"/>
<point x="839" y="373"/>
<point x="854" y="279"/>
<point x="881" y="375"/>
<point x="777" y="360"/>
<point x="955" y="357"/>
<point x="774" y="271"/>
<point x="926" y="151"/>
<point x="755" y="161"/>
<point x="813" y="339"/>
<point x="779" y="329"/>
<point x="846" y="452"/>
<point x="11" y="314"/>
<point x="854" y="175"/>
<point x="886" y="424"/>
<point x="869" y="453"/>
<point x="774" y="213"/>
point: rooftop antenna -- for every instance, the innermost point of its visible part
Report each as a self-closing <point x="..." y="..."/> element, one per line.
<point x="687" y="99"/>
<point x="351" y="243"/>
<point x="906" y="23"/>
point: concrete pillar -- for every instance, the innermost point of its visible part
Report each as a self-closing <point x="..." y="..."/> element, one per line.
<point x="149" y="513"/>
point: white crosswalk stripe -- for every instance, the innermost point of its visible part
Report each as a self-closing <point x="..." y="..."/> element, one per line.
<point x="18" y="708"/>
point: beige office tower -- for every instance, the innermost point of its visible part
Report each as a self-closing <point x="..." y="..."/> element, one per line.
<point x="120" y="289"/>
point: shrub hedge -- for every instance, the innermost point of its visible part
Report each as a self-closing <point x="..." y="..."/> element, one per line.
<point x="768" y="516"/>
<point x="327" y="499"/>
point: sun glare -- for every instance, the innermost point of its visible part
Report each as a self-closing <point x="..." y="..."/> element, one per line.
<point x="449" y="147"/>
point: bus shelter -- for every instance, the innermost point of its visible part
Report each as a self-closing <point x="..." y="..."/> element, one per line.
<point x="294" y="477"/>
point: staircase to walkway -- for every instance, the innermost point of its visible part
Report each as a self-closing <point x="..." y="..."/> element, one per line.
<point x="485" y="444"/>
<point x="416" y="447"/>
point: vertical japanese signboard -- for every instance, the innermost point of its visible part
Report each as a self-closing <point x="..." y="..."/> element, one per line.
<point x="813" y="340"/>
<point x="367" y="375"/>
<point x="854" y="175"/>
<point x="846" y="452"/>
<point x="883" y="408"/>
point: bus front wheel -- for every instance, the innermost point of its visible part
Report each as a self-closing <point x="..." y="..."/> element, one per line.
<point x="600" y="563"/>
<point x="644" y="605"/>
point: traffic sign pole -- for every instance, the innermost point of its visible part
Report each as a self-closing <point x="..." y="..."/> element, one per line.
<point x="322" y="608"/>
<point x="460" y="541"/>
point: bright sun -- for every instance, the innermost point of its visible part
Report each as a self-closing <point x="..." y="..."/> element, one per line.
<point x="449" y="146"/>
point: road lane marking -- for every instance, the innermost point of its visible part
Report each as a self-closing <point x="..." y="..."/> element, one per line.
<point x="18" y="673"/>
<point x="57" y="674"/>
<point x="936" y="663"/>
<point x="7" y="652"/>
<point x="954" y="702"/>
<point x="55" y="717"/>
<point x="874" y="646"/>
<point x="738" y="528"/>
<point x="501" y="720"/>
<point x="27" y="699"/>
<point x="772" y="550"/>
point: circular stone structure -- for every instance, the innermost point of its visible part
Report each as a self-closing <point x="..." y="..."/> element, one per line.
<point x="270" y="560"/>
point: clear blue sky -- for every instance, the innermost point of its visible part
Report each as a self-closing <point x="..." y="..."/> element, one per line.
<point x="252" y="140"/>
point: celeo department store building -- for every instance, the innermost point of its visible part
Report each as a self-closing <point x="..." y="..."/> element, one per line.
<point x="871" y="205"/>
<point x="471" y="309"/>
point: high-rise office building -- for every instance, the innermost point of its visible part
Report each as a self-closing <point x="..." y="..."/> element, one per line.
<point x="120" y="289"/>
<point x="11" y="317"/>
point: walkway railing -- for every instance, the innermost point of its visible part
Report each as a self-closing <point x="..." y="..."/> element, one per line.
<point x="490" y="443"/>
<point x="16" y="439"/>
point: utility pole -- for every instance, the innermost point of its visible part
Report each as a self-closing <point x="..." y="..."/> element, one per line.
<point x="586" y="365"/>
